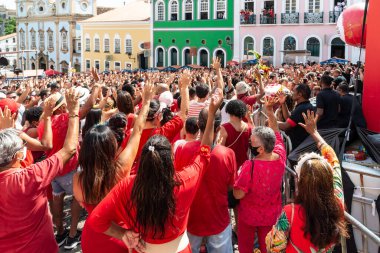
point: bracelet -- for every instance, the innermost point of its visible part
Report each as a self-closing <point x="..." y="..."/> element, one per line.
<point x="74" y="116"/>
<point x="320" y="146"/>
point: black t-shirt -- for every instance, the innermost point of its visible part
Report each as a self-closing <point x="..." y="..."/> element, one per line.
<point x="358" y="119"/>
<point x="297" y="133"/>
<point x="347" y="76"/>
<point x="329" y="101"/>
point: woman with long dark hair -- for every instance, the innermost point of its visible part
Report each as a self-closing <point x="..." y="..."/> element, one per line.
<point x="92" y="118"/>
<point x="154" y="205"/>
<point x="101" y="171"/>
<point x="315" y="222"/>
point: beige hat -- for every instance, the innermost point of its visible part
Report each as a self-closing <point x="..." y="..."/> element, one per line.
<point x="242" y="88"/>
<point x="58" y="99"/>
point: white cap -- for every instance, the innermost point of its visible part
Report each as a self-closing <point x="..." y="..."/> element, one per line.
<point x="165" y="99"/>
<point x="2" y="95"/>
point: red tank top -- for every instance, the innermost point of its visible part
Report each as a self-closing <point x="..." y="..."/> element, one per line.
<point x="240" y="144"/>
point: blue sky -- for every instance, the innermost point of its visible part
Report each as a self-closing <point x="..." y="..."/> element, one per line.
<point x="112" y="3"/>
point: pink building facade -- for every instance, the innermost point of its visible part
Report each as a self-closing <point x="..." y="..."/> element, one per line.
<point x="271" y="27"/>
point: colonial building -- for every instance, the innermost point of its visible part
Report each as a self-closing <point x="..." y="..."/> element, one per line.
<point x="194" y="31"/>
<point x="49" y="28"/>
<point x="8" y="44"/>
<point x="118" y="39"/>
<point x="281" y="29"/>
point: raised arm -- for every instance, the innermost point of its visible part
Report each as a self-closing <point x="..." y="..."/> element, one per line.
<point x="272" y="121"/>
<point x="184" y="82"/>
<point x="219" y="77"/>
<point x="261" y="84"/>
<point x="216" y="101"/>
<point x="70" y="146"/>
<point x="90" y="102"/>
<point x="128" y="155"/>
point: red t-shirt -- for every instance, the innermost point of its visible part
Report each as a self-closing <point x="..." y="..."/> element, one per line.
<point x="113" y="207"/>
<point x="59" y="125"/>
<point x="262" y="202"/>
<point x="209" y="211"/>
<point x="185" y="154"/>
<point x="249" y="100"/>
<point x="25" y="221"/>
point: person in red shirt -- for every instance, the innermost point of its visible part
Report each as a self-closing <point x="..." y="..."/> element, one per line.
<point x="101" y="144"/>
<point x="62" y="184"/>
<point x="154" y="205"/>
<point x="243" y="90"/>
<point x="25" y="221"/>
<point x="209" y="218"/>
<point x="258" y="185"/>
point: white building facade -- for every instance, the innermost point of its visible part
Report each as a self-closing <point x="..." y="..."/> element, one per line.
<point x="8" y="47"/>
<point x="48" y="32"/>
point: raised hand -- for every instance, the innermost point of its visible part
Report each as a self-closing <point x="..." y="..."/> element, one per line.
<point x="72" y="101"/>
<point x="269" y="102"/>
<point x="49" y="105"/>
<point x="216" y="63"/>
<point x="281" y="97"/>
<point x="310" y="122"/>
<point x="7" y="120"/>
<point x="148" y="91"/>
<point x="185" y="79"/>
<point x="216" y="101"/>
<point x="95" y="74"/>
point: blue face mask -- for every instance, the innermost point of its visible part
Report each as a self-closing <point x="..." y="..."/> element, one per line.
<point x="254" y="150"/>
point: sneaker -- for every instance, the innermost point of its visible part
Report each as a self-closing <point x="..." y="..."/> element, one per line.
<point x="61" y="239"/>
<point x="71" y="243"/>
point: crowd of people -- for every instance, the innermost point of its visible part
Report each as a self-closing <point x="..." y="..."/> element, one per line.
<point x="159" y="159"/>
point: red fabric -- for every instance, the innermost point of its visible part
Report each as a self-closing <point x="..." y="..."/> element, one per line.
<point x="29" y="160"/>
<point x="25" y="222"/>
<point x="59" y="124"/>
<point x="240" y="147"/>
<point x="246" y="237"/>
<point x="113" y="207"/>
<point x="291" y="122"/>
<point x="297" y="233"/>
<point x="130" y="124"/>
<point x="12" y="105"/>
<point x="209" y="211"/>
<point x="174" y="106"/>
<point x="249" y="100"/>
<point x="185" y="154"/>
<point x="262" y="202"/>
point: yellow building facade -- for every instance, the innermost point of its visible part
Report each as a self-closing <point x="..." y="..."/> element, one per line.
<point x="118" y="39"/>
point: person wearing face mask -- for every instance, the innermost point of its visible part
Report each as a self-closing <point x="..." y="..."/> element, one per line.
<point x="258" y="184"/>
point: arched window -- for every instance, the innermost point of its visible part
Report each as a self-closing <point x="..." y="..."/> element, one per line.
<point x="204" y="9"/>
<point x="64" y="40"/>
<point x="160" y="11"/>
<point x="117" y="44"/>
<point x="160" y="57"/>
<point x="338" y="48"/>
<point x="22" y="38"/>
<point x="173" y="8"/>
<point x="41" y="39"/>
<point x="187" y="57"/>
<point x="268" y="47"/>
<point x="222" y="56"/>
<point x="106" y="43"/>
<point x="313" y="46"/>
<point x="188" y="10"/>
<point x="203" y="58"/>
<point x="50" y="39"/>
<point x="290" y="43"/>
<point x="220" y="10"/>
<point x="248" y="45"/>
<point x="128" y="44"/>
<point x="33" y="39"/>
<point x="173" y="57"/>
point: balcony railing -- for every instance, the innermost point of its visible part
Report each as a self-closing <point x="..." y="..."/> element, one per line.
<point x="265" y="19"/>
<point x="247" y="19"/>
<point x="290" y="18"/>
<point x="334" y="15"/>
<point x="313" y="17"/>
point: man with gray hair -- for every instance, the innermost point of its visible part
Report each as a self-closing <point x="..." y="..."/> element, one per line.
<point x="25" y="221"/>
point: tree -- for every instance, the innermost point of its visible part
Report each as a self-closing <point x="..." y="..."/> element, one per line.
<point x="10" y="26"/>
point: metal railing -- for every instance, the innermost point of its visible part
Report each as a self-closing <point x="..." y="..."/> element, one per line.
<point x="334" y="15"/>
<point x="265" y="19"/>
<point x="313" y="17"/>
<point x="248" y="19"/>
<point x="290" y="18"/>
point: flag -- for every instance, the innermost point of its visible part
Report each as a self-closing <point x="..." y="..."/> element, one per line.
<point x="255" y="53"/>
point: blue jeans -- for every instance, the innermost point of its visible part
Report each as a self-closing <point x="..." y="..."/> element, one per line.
<point x="220" y="243"/>
<point x="63" y="184"/>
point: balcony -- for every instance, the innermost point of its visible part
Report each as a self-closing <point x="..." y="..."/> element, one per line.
<point x="247" y="19"/>
<point x="334" y="15"/>
<point x="266" y="19"/>
<point x="290" y="18"/>
<point x="313" y="18"/>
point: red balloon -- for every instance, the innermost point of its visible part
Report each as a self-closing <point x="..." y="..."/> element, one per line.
<point x="350" y="24"/>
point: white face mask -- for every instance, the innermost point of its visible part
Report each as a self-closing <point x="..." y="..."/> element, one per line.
<point x="23" y="153"/>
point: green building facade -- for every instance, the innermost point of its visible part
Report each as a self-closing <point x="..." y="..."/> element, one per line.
<point x="193" y="31"/>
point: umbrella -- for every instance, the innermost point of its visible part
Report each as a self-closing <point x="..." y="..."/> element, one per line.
<point x="252" y="62"/>
<point x="170" y="69"/>
<point x="232" y="63"/>
<point x="126" y="71"/>
<point x="334" y="60"/>
<point x="194" y="66"/>
<point x="52" y="72"/>
<point x="105" y="72"/>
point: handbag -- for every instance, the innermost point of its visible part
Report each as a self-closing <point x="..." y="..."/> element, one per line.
<point x="232" y="201"/>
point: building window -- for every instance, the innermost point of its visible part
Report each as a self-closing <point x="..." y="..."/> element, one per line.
<point x="160" y="57"/>
<point x="221" y="9"/>
<point x="160" y="11"/>
<point x="188" y="15"/>
<point x="249" y="5"/>
<point x="79" y="46"/>
<point x="50" y="39"/>
<point x="106" y="65"/>
<point x="268" y="47"/>
<point x="106" y="45"/>
<point x="173" y="57"/>
<point x="173" y="10"/>
<point x="97" y="44"/>
<point x="128" y="66"/>
<point x="41" y="39"/>
<point x="64" y="40"/>
<point x="187" y="57"/>
<point x="128" y="45"/>
<point x="14" y="40"/>
<point x="203" y="58"/>
<point x="314" y="6"/>
<point x="117" y="45"/>
<point x="88" y="42"/>
<point x="117" y="65"/>
<point x="313" y="46"/>
<point x="248" y="45"/>
<point x="204" y="9"/>
<point x="290" y="6"/>
<point x="290" y="43"/>
<point x="88" y="65"/>
<point x="33" y="39"/>
<point x="97" y="64"/>
<point x="22" y="39"/>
